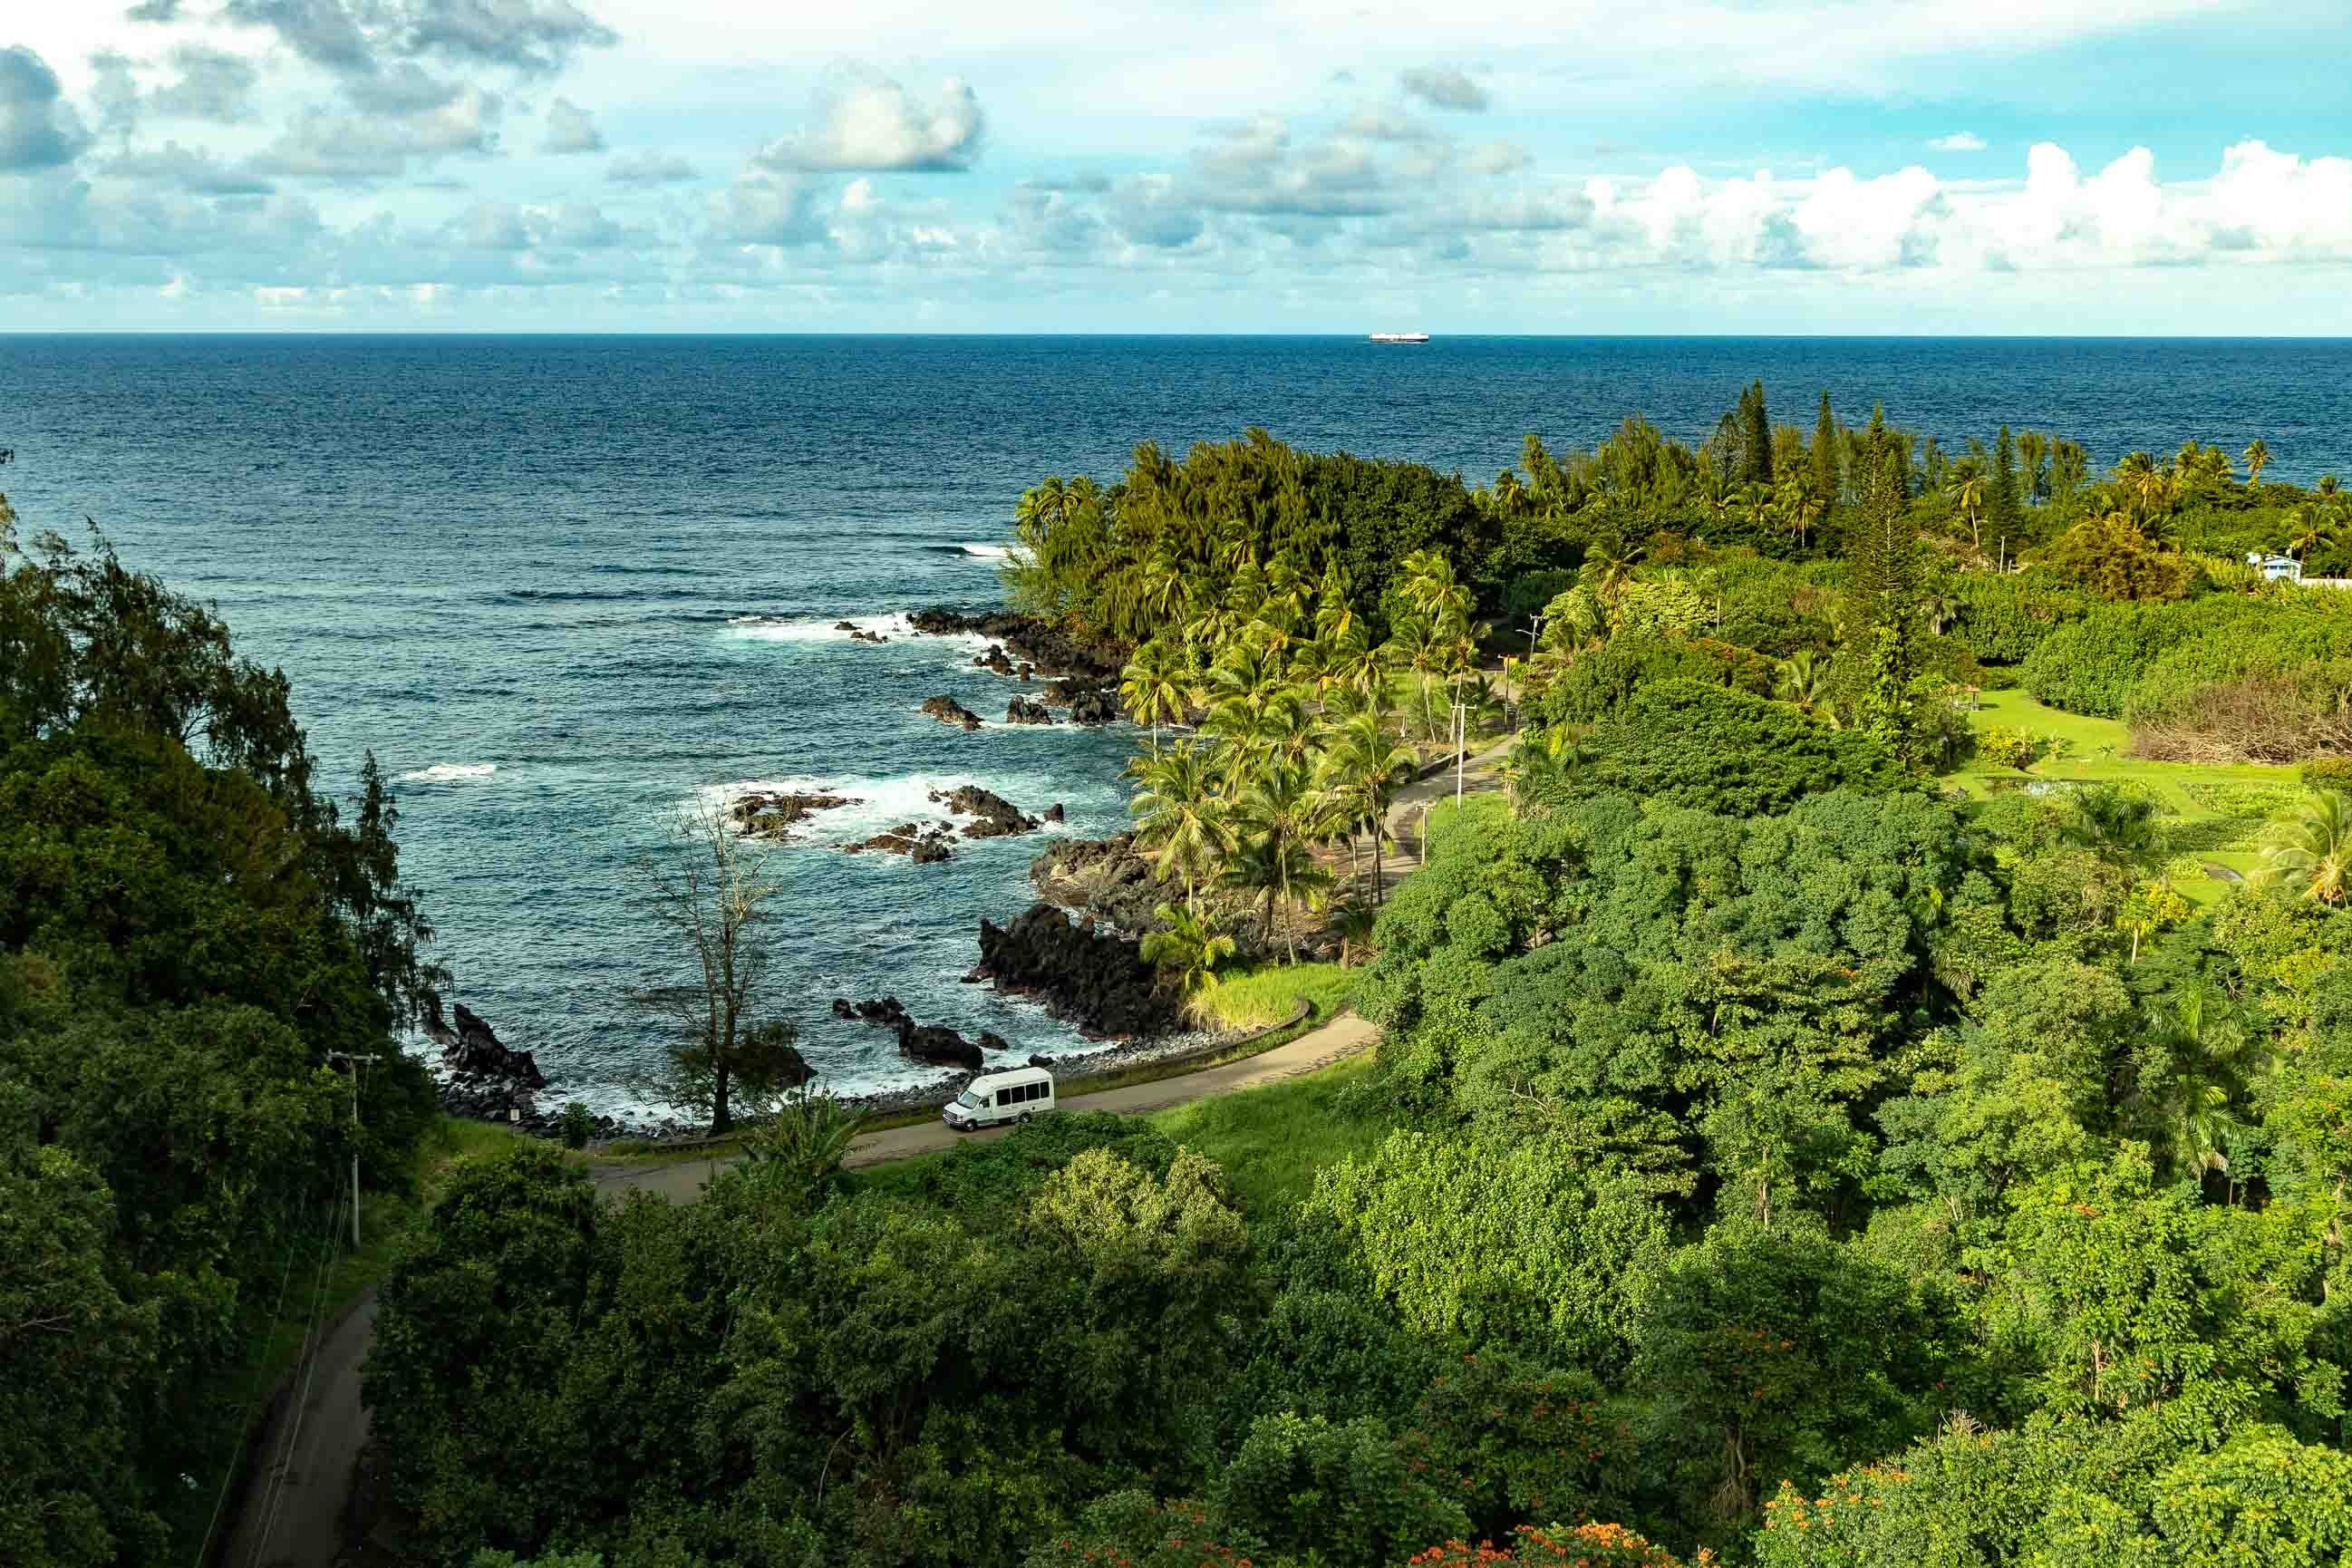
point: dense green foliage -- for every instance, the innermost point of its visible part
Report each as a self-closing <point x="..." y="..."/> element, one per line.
<point x="1772" y="1156"/>
<point x="187" y="932"/>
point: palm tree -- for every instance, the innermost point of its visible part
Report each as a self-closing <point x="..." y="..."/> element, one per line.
<point x="1156" y="686"/>
<point x="1422" y="646"/>
<point x="1187" y="948"/>
<point x="1715" y="496"/>
<point x="1364" y="767"/>
<point x="2311" y="851"/>
<point x="1277" y="820"/>
<point x="1353" y="922"/>
<point x="2258" y="458"/>
<point x="1043" y="507"/>
<point x="1179" y="813"/>
<point x="1163" y="589"/>
<point x="1756" y="506"/>
<point x="2328" y="485"/>
<point x="1942" y="610"/>
<point x="1965" y="490"/>
<point x="1803" y="681"/>
<point x="2306" y="533"/>
<point x="1800" y="502"/>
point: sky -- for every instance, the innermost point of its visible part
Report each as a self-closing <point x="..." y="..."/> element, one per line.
<point x="2097" y="167"/>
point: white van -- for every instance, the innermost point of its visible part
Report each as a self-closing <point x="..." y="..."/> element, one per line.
<point x="1000" y="1096"/>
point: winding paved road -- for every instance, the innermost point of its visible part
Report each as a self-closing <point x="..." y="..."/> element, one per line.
<point x="294" y="1514"/>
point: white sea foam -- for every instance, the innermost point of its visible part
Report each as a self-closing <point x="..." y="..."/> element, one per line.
<point x="449" y="773"/>
<point x="987" y="551"/>
<point x="882" y="803"/>
<point x="828" y="629"/>
<point x="777" y="628"/>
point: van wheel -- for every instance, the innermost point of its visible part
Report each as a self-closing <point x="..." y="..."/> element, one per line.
<point x="1027" y="1117"/>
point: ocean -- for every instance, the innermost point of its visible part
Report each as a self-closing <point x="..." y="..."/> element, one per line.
<point x="561" y="586"/>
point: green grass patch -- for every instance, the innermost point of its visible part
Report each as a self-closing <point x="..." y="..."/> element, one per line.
<point x="2214" y="813"/>
<point x="1270" y="994"/>
<point x="1273" y="1139"/>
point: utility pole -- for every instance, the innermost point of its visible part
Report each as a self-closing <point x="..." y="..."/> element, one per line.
<point x="1461" y="748"/>
<point x="354" y="1061"/>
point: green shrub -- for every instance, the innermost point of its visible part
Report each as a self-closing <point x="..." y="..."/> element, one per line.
<point x="2005" y="747"/>
<point x="2333" y="771"/>
<point x="578" y="1122"/>
<point x="1683" y="743"/>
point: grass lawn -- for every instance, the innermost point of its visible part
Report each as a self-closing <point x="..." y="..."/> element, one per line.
<point x="1272" y="1140"/>
<point x="2214" y="811"/>
<point x="1271" y="993"/>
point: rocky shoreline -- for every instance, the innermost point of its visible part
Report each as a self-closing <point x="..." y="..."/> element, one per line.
<point x="1088" y="973"/>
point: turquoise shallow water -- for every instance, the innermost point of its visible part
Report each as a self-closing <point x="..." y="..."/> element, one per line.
<point x="560" y="586"/>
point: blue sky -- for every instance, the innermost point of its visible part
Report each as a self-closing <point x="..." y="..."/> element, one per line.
<point x="2006" y="166"/>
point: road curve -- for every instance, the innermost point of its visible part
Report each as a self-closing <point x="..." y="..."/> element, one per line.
<point x="1342" y="1037"/>
<point x="294" y="1514"/>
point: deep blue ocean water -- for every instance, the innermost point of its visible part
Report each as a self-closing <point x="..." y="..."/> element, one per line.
<point x="519" y="570"/>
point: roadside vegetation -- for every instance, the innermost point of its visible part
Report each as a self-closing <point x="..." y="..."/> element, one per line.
<point x="1827" y="1111"/>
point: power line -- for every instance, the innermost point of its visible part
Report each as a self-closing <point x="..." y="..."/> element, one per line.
<point x="274" y="1497"/>
<point x="252" y="1408"/>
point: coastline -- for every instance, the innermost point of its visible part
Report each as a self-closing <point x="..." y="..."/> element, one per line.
<point x="1028" y="656"/>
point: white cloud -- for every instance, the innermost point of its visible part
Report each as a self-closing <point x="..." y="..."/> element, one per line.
<point x="867" y="122"/>
<point x="37" y="129"/>
<point x="1959" y="142"/>
<point x="1442" y="88"/>
<point x="570" y="128"/>
<point x="648" y="168"/>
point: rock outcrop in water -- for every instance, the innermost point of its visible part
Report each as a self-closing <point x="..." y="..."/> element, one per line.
<point x="1023" y="711"/>
<point x="1106" y="878"/>
<point x="473" y="1050"/>
<point x="773" y="817"/>
<point x="931" y="1043"/>
<point x="948" y="710"/>
<point x="1096" y="982"/>
<point x="994" y="816"/>
<point x="1025" y="640"/>
<point x="924" y="846"/>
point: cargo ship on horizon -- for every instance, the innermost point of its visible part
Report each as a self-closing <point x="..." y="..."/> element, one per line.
<point x="1400" y="337"/>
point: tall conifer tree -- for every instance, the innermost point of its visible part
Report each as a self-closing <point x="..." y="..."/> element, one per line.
<point x="1825" y="452"/>
<point x="1883" y="558"/>
<point x="2003" y="502"/>
<point x="1757" y="436"/>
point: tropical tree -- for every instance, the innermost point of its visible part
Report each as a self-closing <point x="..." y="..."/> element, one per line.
<point x="2258" y="458"/>
<point x="1157" y="685"/>
<point x="2307" y="532"/>
<point x="1800" y="502"/>
<point x="2311" y="851"/>
<point x="1364" y="768"/>
<point x="1965" y="490"/>
<point x="1802" y="681"/>
<point x="1186" y="948"/>
<point x="1425" y="648"/>
<point x="1276" y="823"/>
<point x="1179" y="813"/>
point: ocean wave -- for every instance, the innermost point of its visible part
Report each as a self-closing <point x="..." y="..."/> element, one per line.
<point x="883" y="803"/>
<point x="828" y="629"/>
<point x="449" y="773"/>
<point x="986" y="551"/>
<point x="815" y="628"/>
